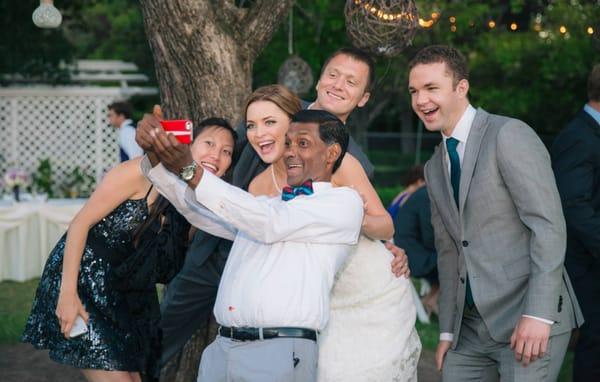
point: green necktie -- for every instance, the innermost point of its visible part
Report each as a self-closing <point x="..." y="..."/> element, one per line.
<point x="451" y="144"/>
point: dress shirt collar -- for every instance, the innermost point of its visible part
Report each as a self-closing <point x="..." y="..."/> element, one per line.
<point x="592" y="112"/>
<point x="126" y="122"/>
<point x="321" y="186"/>
<point x="463" y="127"/>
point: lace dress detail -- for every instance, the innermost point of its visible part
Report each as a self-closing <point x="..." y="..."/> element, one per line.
<point x="371" y="333"/>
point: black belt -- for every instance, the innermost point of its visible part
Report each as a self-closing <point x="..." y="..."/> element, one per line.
<point x="253" y="334"/>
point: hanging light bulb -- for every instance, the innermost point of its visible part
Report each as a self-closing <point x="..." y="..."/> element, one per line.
<point x="46" y="15"/>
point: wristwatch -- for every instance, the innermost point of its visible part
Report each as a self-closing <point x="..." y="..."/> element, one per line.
<point x="188" y="172"/>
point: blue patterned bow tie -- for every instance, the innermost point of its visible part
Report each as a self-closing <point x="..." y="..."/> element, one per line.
<point x="289" y="193"/>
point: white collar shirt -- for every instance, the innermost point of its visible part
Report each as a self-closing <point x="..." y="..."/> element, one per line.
<point x="127" y="140"/>
<point x="285" y="255"/>
<point x="461" y="133"/>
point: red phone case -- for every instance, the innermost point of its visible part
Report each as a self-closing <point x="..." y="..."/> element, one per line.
<point x="182" y="129"/>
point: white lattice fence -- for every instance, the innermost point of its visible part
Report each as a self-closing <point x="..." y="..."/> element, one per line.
<point x="66" y="125"/>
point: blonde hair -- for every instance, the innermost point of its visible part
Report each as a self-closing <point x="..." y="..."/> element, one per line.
<point x="281" y="96"/>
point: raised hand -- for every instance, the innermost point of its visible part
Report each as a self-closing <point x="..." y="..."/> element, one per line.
<point x="145" y="127"/>
<point x="171" y="153"/>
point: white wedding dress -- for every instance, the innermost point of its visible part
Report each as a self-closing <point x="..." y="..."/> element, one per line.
<point x="371" y="333"/>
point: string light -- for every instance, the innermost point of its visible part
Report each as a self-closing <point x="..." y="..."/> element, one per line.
<point x="452" y="19"/>
<point x="590" y="30"/>
<point x="492" y="24"/>
<point x="453" y="28"/>
<point x="514" y="26"/>
<point x="562" y="29"/>
<point x="383" y="15"/>
<point x="537" y="27"/>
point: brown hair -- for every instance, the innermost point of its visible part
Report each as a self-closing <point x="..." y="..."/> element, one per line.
<point x="593" y="85"/>
<point x="454" y="60"/>
<point x="281" y="96"/>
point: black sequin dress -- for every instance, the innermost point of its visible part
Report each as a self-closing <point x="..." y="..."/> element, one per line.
<point x="117" y="287"/>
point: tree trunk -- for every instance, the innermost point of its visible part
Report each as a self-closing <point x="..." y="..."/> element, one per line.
<point x="203" y="52"/>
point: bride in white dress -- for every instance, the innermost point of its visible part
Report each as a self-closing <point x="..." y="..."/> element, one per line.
<point x="371" y="333"/>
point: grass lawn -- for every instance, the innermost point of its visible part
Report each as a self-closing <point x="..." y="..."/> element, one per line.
<point x="16" y="298"/>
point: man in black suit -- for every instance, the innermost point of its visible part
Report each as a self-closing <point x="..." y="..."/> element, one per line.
<point x="576" y="164"/>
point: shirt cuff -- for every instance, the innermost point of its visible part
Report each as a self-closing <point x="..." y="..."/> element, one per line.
<point x="540" y="319"/>
<point x="447" y="337"/>
<point x="146" y="166"/>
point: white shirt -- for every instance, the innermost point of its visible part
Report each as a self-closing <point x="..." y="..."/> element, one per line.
<point x="461" y="133"/>
<point x="127" y="140"/>
<point x="285" y="255"/>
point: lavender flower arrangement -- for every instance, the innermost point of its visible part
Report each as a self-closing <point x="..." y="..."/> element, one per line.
<point x="16" y="177"/>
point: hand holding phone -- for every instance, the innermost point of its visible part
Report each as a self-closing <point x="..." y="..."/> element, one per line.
<point x="79" y="327"/>
<point x="182" y="129"/>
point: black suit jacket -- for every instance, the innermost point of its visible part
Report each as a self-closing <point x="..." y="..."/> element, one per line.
<point x="576" y="163"/>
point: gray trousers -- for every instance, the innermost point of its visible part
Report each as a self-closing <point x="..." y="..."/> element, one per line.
<point x="273" y="360"/>
<point x="478" y="357"/>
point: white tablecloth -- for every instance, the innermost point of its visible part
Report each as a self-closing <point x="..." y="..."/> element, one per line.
<point x="29" y="231"/>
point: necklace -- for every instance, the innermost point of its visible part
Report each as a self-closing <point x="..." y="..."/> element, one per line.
<point x="275" y="179"/>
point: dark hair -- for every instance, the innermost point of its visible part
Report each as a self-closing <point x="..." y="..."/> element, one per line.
<point x="358" y="55"/>
<point x="214" y="121"/>
<point x="454" y="60"/>
<point x="413" y="175"/>
<point x="331" y="129"/>
<point x="161" y="203"/>
<point x="121" y="108"/>
<point x="593" y="85"/>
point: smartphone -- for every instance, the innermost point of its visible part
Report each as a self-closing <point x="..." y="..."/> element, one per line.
<point x="182" y="129"/>
<point x="79" y="327"/>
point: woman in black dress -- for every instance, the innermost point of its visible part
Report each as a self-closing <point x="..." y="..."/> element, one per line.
<point x="125" y="239"/>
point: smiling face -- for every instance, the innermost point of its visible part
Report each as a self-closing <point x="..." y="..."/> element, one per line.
<point x="266" y="126"/>
<point x="342" y="86"/>
<point x="436" y="100"/>
<point x="213" y="149"/>
<point x="307" y="156"/>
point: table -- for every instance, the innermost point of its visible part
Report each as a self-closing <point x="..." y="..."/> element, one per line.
<point x="28" y="232"/>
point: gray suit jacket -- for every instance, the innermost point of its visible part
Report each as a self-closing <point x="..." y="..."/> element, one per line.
<point x="508" y="234"/>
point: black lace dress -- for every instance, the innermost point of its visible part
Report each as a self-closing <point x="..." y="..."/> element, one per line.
<point x="117" y="287"/>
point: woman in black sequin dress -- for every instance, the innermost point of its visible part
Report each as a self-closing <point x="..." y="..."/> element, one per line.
<point x="124" y="240"/>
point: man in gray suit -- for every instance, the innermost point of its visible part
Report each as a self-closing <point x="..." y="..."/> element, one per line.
<point x="506" y="302"/>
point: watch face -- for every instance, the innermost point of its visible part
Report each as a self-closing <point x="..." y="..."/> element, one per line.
<point x="188" y="172"/>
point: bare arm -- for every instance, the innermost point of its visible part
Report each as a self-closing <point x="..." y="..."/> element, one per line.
<point x="123" y="182"/>
<point x="377" y="223"/>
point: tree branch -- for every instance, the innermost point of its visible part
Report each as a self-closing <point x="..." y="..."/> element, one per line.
<point x="261" y="22"/>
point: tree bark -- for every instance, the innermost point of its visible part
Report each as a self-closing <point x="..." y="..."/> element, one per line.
<point x="203" y="53"/>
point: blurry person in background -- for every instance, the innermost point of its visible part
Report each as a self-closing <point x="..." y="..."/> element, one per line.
<point x="576" y="164"/>
<point x="119" y="117"/>
<point x="413" y="180"/>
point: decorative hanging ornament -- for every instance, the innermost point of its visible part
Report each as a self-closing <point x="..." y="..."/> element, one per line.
<point x="383" y="27"/>
<point x="46" y="15"/>
<point x="295" y="73"/>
